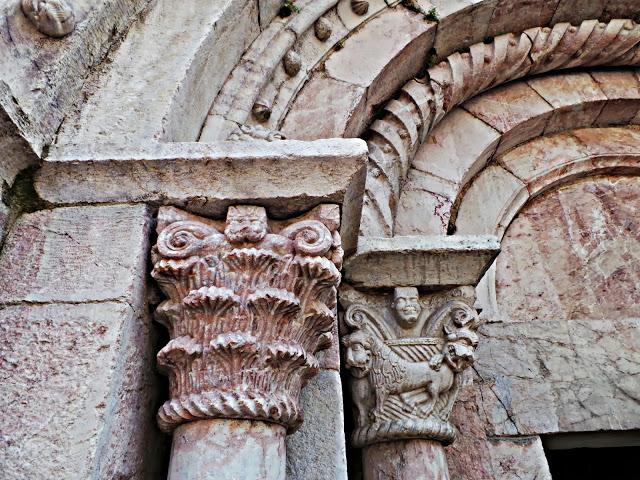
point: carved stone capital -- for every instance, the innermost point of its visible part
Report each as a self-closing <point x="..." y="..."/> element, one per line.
<point x="250" y="302"/>
<point x="405" y="354"/>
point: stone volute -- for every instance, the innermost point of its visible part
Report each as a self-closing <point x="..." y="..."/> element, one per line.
<point x="405" y="354"/>
<point x="250" y="303"/>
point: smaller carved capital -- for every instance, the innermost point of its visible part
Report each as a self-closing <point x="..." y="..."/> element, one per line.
<point x="405" y="353"/>
<point x="250" y="302"/>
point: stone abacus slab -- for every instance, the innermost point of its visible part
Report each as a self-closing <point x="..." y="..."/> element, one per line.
<point x="286" y="177"/>
<point x="428" y="261"/>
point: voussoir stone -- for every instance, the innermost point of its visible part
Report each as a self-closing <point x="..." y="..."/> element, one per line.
<point x="75" y="254"/>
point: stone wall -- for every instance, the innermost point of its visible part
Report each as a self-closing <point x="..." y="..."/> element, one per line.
<point x="76" y="346"/>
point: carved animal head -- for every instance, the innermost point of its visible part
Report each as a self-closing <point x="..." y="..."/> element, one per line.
<point x="358" y="356"/>
<point x="246" y="224"/>
<point x="51" y="17"/>
<point x="407" y="306"/>
<point x="459" y="354"/>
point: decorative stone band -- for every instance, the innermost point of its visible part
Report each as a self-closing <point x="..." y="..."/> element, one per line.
<point x="422" y="103"/>
<point x="405" y="363"/>
<point x="249" y="304"/>
<point x="389" y="431"/>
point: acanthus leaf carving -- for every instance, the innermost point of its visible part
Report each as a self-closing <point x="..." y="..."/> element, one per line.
<point x="405" y="361"/>
<point x="250" y="303"/>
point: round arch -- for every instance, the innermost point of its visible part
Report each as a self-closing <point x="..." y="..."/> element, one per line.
<point x="487" y="127"/>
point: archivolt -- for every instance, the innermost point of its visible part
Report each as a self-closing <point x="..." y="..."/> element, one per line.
<point x="523" y="174"/>
<point x="259" y="81"/>
<point x="487" y="127"/>
<point x="422" y="103"/>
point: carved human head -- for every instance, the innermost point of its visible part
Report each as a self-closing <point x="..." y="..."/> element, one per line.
<point x="358" y="353"/>
<point x="407" y="306"/>
<point x="246" y="224"/>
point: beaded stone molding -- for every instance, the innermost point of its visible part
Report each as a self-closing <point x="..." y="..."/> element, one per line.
<point x="250" y="302"/>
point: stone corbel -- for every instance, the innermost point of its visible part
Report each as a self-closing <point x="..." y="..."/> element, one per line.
<point x="250" y="303"/>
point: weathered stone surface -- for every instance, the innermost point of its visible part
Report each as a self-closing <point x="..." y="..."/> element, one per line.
<point x="75" y="254"/>
<point x="475" y="455"/>
<point x="462" y="23"/>
<point x="555" y="159"/>
<point x="287" y="177"/>
<point x="610" y="141"/>
<point x="343" y="106"/>
<point x="583" y="254"/>
<point x="622" y="88"/>
<point x="4" y="217"/>
<point x="268" y="10"/>
<point x="77" y="393"/>
<point x="454" y="157"/>
<point x="576" y="97"/>
<point x="573" y="11"/>
<point x="490" y="203"/>
<point x="352" y="19"/>
<point x="541" y="155"/>
<point x="414" y="459"/>
<point x="15" y="153"/>
<point x="228" y="450"/>
<point x="161" y="86"/>
<point x="516" y="110"/>
<point x="425" y="205"/>
<point x="518" y="15"/>
<point x="382" y="55"/>
<point x="548" y="376"/>
<point x="422" y="260"/>
<point x="42" y="76"/>
<point x="317" y="450"/>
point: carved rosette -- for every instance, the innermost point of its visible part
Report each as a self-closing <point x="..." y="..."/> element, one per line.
<point x="249" y="305"/>
<point x="405" y="364"/>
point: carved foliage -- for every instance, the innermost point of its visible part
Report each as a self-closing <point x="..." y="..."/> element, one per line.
<point x="404" y="380"/>
<point x="249" y="304"/>
<point x="254" y="132"/>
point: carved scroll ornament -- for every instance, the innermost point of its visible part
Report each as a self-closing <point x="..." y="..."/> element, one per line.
<point x="405" y="364"/>
<point x="249" y="304"/>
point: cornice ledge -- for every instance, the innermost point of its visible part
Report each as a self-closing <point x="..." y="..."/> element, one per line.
<point x="286" y="177"/>
<point x="424" y="261"/>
